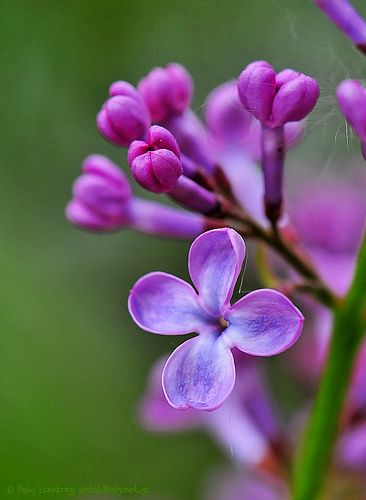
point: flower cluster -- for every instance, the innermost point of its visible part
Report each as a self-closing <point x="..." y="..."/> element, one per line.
<point x="227" y="173"/>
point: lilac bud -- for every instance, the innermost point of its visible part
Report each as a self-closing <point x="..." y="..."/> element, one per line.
<point x="123" y="118"/>
<point x="124" y="88"/>
<point x="155" y="163"/>
<point x="166" y="91"/>
<point x="101" y="196"/>
<point x="226" y="118"/>
<point x="276" y="99"/>
<point x="294" y="100"/>
<point x="347" y="19"/>
<point x="351" y="96"/>
<point x="257" y="88"/>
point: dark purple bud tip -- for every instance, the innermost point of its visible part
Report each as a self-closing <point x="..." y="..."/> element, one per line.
<point x="351" y="97"/>
<point x="123" y="119"/>
<point x="155" y="163"/>
<point x="276" y="99"/>
<point x="166" y="91"/>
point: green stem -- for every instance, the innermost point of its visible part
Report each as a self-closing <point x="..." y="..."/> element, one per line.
<point x="348" y="329"/>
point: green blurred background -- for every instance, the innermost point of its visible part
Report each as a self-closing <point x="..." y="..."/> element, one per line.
<point x="73" y="365"/>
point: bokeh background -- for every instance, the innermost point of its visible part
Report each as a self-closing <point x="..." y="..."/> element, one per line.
<point x="73" y="365"/>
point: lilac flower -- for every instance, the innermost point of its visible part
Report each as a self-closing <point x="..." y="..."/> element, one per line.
<point x="347" y="19"/>
<point x="351" y="96"/>
<point x="155" y="163"/>
<point x="103" y="201"/>
<point x="124" y="117"/>
<point x="166" y="91"/>
<point x="201" y="372"/>
<point x="275" y="99"/>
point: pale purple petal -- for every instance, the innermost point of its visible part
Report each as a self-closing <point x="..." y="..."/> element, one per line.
<point x="215" y="260"/>
<point x="263" y="323"/>
<point x="162" y="303"/>
<point x="199" y="374"/>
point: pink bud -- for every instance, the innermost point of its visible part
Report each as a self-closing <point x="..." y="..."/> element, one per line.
<point x="155" y="163"/>
<point x="101" y="196"/>
<point x="123" y="119"/>
<point x="257" y="88"/>
<point x="294" y="100"/>
<point x="351" y="97"/>
<point x="166" y="91"/>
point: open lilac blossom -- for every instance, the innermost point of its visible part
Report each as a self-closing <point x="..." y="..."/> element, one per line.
<point x="347" y="19"/>
<point x="124" y="117"/>
<point x="351" y="97"/>
<point x="246" y="425"/>
<point x="201" y="372"/>
<point x="103" y="201"/>
<point x="166" y="91"/>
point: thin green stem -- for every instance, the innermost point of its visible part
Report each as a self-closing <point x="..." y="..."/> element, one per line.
<point x="349" y="324"/>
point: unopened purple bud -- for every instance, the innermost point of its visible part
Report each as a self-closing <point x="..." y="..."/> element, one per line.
<point x="276" y="99"/>
<point x="123" y="119"/>
<point x="294" y="100"/>
<point x="193" y="196"/>
<point x="124" y="88"/>
<point x="347" y="19"/>
<point x="155" y="163"/>
<point x="101" y="196"/>
<point x="166" y="91"/>
<point x="351" y="97"/>
<point x="226" y="118"/>
<point x="257" y="88"/>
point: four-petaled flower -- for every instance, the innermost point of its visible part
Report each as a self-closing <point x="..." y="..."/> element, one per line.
<point x="201" y="372"/>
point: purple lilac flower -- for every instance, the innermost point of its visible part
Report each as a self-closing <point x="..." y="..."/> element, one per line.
<point x="245" y="425"/>
<point x="201" y="372"/>
<point x="351" y="97"/>
<point x="166" y="91"/>
<point x="155" y="163"/>
<point x="124" y="117"/>
<point x="275" y="99"/>
<point x="103" y="201"/>
<point x="347" y="19"/>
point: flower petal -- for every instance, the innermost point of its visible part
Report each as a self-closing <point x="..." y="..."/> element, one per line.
<point x="162" y="303"/>
<point x="199" y="374"/>
<point x="263" y="323"/>
<point x="214" y="262"/>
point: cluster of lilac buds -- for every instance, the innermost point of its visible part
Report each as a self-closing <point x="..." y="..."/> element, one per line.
<point x="275" y="99"/>
<point x="226" y="172"/>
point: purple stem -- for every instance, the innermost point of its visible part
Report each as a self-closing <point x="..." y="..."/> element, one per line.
<point x="193" y="196"/>
<point x="347" y="19"/>
<point x="155" y="218"/>
<point x="273" y="159"/>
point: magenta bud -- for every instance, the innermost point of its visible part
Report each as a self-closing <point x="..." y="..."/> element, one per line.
<point x="276" y="99"/>
<point x="166" y="91"/>
<point x="226" y="118"/>
<point x="124" y="88"/>
<point x="123" y="119"/>
<point x="351" y="97"/>
<point x="294" y="100"/>
<point x="257" y="88"/>
<point x="101" y="196"/>
<point x="155" y="163"/>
